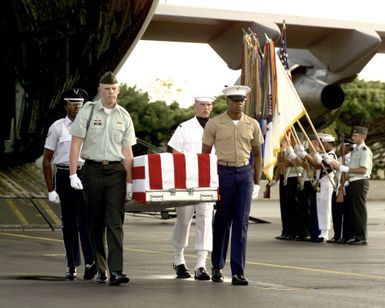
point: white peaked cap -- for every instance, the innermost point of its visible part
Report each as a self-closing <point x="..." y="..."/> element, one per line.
<point x="326" y="137"/>
<point x="236" y="91"/>
<point x="204" y="99"/>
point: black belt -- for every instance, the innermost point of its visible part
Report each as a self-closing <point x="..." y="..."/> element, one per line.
<point x="103" y="162"/>
<point x="66" y="167"/>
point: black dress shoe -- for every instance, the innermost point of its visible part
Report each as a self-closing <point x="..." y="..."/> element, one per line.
<point x="319" y="240"/>
<point x="341" y="241"/>
<point x="116" y="278"/>
<point x="358" y="242"/>
<point x="239" y="280"/>
<point x="101" y="278"/>
<point x="71" y="273"/>
<point x="201" y="274"/>
<point x="217" y="275"/>
<point x="89" y="271"/>
<point x="279" y="237"/>
<point x="350" y="240"/>
<point x="182" y="271"/>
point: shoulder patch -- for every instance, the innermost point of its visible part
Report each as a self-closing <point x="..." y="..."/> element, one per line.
<point x="363" y="148"/>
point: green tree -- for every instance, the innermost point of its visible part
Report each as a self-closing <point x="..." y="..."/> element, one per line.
<point x="364" y="106"/>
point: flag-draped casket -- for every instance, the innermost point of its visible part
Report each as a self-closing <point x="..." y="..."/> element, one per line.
<point x="181" y="178"/>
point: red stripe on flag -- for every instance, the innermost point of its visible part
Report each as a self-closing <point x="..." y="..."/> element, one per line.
<point x="140" y="197"/>
<point x="155" y="171"/>
<point x="204" y="170"/>
<point x="138" y="173"/>
<point x="179" y="170"/>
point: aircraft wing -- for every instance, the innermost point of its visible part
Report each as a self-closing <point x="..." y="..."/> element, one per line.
<point x="323" y="53"/>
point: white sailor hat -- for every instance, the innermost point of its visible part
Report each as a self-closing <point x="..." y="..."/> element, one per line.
<point x="204" y="99"/>
<point x="236" y="92"/>
<point x="326" y="137"/>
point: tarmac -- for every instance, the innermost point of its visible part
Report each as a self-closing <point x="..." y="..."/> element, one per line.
<point x="280" y="273"/>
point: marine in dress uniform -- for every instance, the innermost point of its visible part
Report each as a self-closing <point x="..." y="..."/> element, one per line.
<point x="187" y="138"/>
<point x="359" y="170"/>
<point x="235" y="136"/>
<point x="73" y="210"/>
<point x="106" y="133"/>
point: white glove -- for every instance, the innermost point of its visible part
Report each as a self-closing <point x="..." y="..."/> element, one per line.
<point x="291" y="156"/>
<point x="343" y="168"/>
<point x="327" y="159"/>
<point x="75" y="182"/>
<point x="255" y="191"/>
<point x="302" y="154"/>
<point x="290" y="153"/>
<point x="272" y="183"/>
<point x="128" y="191"/>
<point x="298" y="148"/>
<point x="318" y="158"/>
<point x="53" y="197"/>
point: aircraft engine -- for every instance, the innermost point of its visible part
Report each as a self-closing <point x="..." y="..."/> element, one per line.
<point x="320" y="99"/>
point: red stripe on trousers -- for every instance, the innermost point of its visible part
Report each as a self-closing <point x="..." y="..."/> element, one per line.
<point x="204" y="170"/>
<point x="179" y="170"/>
<point x="138" y="173"/>
<point x="155" y="171"/>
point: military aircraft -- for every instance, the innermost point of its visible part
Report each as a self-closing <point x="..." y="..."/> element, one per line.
<point x="52" y="46"/>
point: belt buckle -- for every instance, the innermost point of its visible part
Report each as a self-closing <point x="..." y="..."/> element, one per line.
<point x="105" y="162"/>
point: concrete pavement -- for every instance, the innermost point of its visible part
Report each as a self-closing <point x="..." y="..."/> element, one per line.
<point x="281" y="273"/>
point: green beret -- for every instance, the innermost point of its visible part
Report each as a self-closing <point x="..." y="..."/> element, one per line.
<point x="108" y="78"/>
<point x="360" y="130"/>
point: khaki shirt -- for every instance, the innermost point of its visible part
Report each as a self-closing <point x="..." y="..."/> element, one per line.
<point x="107" y="133"/>
<point x="232" y="142"/>
<point x="361" y="156"/>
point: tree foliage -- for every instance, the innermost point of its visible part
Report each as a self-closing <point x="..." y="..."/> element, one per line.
<point x="364" y="106"/>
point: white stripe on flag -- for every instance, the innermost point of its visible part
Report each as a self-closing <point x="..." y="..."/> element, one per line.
<point x="191" y="170"/>
<point x="213" y="171"/>
<point x="167" y="165"/>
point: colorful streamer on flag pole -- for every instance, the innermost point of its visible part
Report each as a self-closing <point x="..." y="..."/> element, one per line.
<point x="251" y="74"/>
<point x="273" y="100"/>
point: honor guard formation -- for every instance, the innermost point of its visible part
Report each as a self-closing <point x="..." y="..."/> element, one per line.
<point x="88" y="169"/>
<point x="323" y="189"/>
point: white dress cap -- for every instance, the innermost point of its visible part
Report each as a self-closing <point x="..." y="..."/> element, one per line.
<point x="326" y="137"/>
<point x="204" y="99"/>
<point x="236" y="91"/>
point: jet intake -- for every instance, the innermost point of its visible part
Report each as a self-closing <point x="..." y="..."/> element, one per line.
<point x="320" y="99"/>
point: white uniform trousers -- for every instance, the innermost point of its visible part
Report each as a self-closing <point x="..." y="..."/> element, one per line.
<point x="324" y="205"/>
<point x="203" y="226"/>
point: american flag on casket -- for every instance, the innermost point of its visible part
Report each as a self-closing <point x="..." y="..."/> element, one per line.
<point x="175" y="178"/>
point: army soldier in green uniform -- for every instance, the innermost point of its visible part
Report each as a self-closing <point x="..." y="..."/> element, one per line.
<point x="359" y="170"/>
<point x="104" y="132"/>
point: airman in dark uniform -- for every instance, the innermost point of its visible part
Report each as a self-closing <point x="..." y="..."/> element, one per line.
<point x="73" y="210"/>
